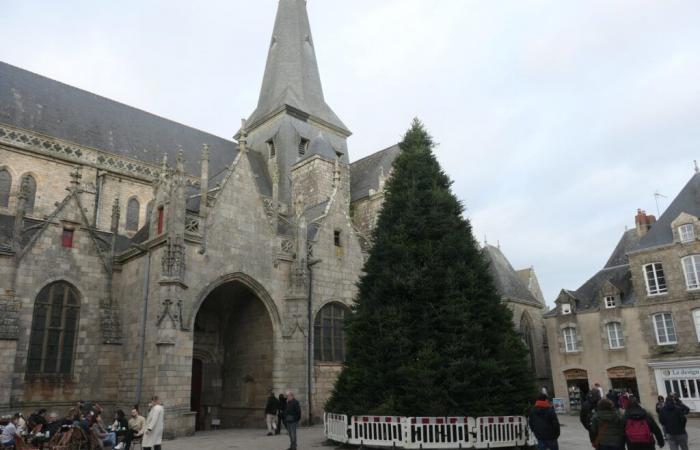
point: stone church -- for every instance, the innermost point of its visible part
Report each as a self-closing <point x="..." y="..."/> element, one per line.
<point x="139" y="256"/>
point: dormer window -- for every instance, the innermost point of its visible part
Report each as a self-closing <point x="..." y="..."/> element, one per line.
<point x="303" y="146"/>
<point x="686" y="233"/>
<point x="566" y="309"/>
<point x="609" y="302"/>
<point x="271" y="148"/>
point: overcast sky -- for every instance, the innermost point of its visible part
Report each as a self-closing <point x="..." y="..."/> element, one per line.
<point x="556" y="119"/>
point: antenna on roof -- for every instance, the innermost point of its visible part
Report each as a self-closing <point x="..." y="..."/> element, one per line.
<point x="658" y="195"/>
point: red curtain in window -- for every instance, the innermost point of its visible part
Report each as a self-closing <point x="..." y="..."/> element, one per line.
<point x="160" y="220"/>
<point x="67" y="238"/>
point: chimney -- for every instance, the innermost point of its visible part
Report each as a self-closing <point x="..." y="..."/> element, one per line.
<point x="643" y="222"/>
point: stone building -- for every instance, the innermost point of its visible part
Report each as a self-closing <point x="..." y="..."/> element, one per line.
<point x="520" y="291"/>
<point x="636" y="323"/>
<point x="139" y="256"/>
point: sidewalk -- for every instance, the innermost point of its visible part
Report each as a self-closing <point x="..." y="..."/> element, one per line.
<point x="573" y="437"/>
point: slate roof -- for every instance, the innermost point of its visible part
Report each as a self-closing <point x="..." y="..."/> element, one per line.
<point x="291" y="73"/>
<point x="364" y="173"/>
<point x="33" y="102"/>
<point x="628" y="241"/>
<point x="529" y="277"/>
<point x="688" y="201"/>
<point x="509" y="284"/>
<point x="589" y="292"/>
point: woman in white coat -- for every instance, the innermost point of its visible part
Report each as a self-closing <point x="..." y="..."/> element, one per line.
<point x="153" y="436"/>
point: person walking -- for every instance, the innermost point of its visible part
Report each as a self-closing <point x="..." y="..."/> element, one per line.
<point x="292" y="416"/>
<point x="673" y="417"/>
<point x="588" y="408"/>
<point x="607" y="429"/>
<point x="641" y="428"/>
<point x="271" y="413"/>
<point x="545" y="424"/>
<point x="281" y="410"/>
<point x="659" y="405"/>
<point x="153" y="435"/>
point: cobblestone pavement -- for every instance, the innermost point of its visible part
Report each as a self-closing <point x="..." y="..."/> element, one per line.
<point x="573" y="437"/>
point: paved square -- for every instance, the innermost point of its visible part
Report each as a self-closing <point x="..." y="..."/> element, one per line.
<point x="573" y="437"/>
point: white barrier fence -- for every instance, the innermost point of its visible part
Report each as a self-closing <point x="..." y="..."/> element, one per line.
<point x="429" y="432"/>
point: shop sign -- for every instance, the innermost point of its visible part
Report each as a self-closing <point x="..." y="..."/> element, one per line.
<point x="576" y="374"/>
<point x="691" y="372"/>
<point x="621" y="372"/>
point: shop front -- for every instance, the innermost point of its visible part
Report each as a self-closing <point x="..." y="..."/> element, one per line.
<point x="681" y="377"/>
<point x="577" y="387"/>
<point x="623" y="379"/>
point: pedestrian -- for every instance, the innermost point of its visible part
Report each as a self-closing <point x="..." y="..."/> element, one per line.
<point x="271" y="413"/>
<point x="292" y="416"/>
<point x="599" y="388"/>
<point x="588" y="408"/>
<point x="153" y="436"/>
<point x="281" y="410"/>
<point x="7" y="439"/>
<point x="674" y="418"/>
<point x="660" y="402"/>
<point x="624" y="400"/>
<point x="545" y="424"/>
<point x="607" y="429"/>
<point x="641" y="428"/>
<point x="136" y="428"/>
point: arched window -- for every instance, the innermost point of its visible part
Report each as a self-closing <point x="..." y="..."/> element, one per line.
<point x="132" y="214"/>
<point x="329" y="333"/>
<point x="5" y="187"/>
<point x="31" y="192"/>
<point x="54" y="330"/>
<point x="526" y="335"/>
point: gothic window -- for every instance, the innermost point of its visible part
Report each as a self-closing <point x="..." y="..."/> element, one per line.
<point x="656" y="280"/>
<point x="303" y="146"/>
<point x="149" y="212"/>
<point x="31" y="192"/>
<point x="161" y="217"/>
<point x="271" y="148"/>
<point x="337" y="238"/>
<point x="691" y="267"/>
<point x="526" y="335"/>
<point x="686" y="232"/>
<point x="329" y="333"/>
<point x="5" y="187"/>
<point x="665" y="329"/>
<point x="615" y="337"/>
<point x="132" y="214"/>
<point x="67" y="238"/>
<point x="54" y="330"/>
<point x="570" y="340"/>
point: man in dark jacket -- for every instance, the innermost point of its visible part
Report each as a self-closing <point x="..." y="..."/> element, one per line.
<point x="673" y="418"/>
<point x="281" y="411"/>
<point x="292" y="417"/>
<point x="545" y="424"/>
<point x="634" y="414"/>
<point x="588" y="408"/>
<point x="271" y="414"/>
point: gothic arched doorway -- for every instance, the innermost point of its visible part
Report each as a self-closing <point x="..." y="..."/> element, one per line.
<point x="233" y="340"/>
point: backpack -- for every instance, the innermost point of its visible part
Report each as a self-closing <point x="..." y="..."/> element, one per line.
<point x="637" y="431"/>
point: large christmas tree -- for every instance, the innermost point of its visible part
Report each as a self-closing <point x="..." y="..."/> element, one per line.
<point x="429" y="335"/>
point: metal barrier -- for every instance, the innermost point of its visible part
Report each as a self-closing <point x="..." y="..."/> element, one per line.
<point x="381" y="431"/>
<point x="335" y="427"/>
<point x="438" y="432"/>
<point x="498" y="432"/>
<point x="429" y="432"/>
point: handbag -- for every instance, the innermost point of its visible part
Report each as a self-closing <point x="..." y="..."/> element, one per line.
<point x="601" y="432"/>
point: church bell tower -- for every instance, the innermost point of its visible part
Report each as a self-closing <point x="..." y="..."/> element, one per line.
<point x="292" y="118"/>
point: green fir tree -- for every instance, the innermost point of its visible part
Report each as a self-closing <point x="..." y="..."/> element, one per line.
<point x="429" y="335"/>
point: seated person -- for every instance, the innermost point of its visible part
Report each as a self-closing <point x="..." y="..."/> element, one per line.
<point x="37" y="421"/>
<point x="53" y="425"/>
<point x="137" y="426"/>
<point x="100" y="432"/>
<point x="7" y="439"/>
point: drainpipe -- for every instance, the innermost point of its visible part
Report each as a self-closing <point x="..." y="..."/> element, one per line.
<point x="144" y="320"/>
<point x="310" y="358"/>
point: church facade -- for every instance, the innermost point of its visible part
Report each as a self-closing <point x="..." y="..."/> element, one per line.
<point x="139" y="256"/>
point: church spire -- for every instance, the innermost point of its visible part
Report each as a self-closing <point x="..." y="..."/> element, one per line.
<point x="291" y="75"/>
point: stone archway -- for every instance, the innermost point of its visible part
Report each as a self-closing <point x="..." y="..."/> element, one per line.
<point x="234" y="350"/>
